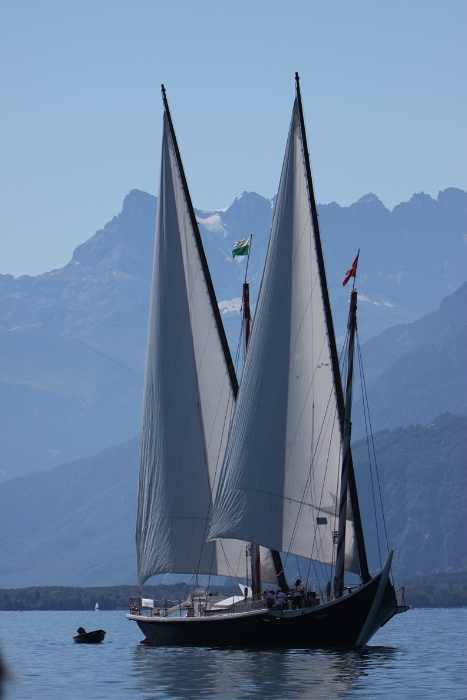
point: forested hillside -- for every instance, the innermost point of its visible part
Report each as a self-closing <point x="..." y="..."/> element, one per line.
<point x="75" y="524"/>
<point x="439" y="590"/>
<point x="423" y="471"/>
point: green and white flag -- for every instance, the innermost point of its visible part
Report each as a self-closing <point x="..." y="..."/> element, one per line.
<point x="242" y="247"/>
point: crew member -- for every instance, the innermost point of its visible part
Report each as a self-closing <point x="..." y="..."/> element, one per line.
<point x="297" y="592"/>
<point x="281" y="599"/>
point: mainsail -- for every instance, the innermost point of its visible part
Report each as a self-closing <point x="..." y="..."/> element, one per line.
<point x="188" y="399"/>
<point x="281" y="474"/>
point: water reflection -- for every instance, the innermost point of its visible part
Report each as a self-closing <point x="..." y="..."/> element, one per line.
<point x="235" y="674"/>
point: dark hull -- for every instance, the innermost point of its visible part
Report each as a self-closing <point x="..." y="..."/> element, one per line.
<point x="347" y="622"/>
<point x="95" y="637"/>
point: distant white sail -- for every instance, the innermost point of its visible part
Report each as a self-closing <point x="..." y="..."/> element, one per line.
<point x="282" y="466"/>
<point x="188" y="403"/>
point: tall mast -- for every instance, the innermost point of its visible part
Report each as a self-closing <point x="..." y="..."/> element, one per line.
<point x="333" y="346"/>
<point x="339" y="577"/>
<point x="254" y="548"/>
<point x="246" y="314"/>
<point x="202" y="255"/>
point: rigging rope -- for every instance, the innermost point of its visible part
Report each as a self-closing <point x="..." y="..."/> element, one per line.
<point x="366" y="406"/>
<point x="369" y="456"/>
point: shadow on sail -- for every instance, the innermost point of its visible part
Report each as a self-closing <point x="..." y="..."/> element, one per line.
<point x="189" y="397"/>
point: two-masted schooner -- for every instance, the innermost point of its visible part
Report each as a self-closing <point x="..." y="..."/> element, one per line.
<point x="253" y="473"/>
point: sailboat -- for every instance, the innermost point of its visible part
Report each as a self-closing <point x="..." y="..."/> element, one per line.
<point x="232" y="479"/>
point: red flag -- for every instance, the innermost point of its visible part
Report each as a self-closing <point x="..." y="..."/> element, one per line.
<point x="352" y="272"/>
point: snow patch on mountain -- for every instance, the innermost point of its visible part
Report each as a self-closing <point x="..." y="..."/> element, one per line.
<point x="232" y="305"/>
<point x="362" y="297"/>
<point x="212" y="223"/>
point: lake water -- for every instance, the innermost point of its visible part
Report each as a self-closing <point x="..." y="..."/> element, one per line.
<point x="419" y="655"/>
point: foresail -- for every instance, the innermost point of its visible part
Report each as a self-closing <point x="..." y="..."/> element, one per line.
<point x="281" y="472"/>
<point x="188" y="402"/>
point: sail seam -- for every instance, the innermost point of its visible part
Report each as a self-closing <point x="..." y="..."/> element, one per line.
<point x="187" y="226"/>
<point x="199" y="362"/>
<point x="207" y="274"/>
<point x="195" y="392"/>
<point x="286" y="498"/>
<point x="285" y="283"/>
<point x="303" y="503"/>
<point x="305" y="227"/>
<point x="332" y="339"/>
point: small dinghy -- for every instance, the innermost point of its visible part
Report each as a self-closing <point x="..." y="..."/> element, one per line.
<point x="84" y="637"/>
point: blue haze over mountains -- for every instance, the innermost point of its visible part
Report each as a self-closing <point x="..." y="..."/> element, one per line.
<point x="73" y="340"/>
<point x="74" y="525"/>
<point x="71" y="375"/>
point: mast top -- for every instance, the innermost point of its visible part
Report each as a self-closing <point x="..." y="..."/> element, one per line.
<point x="202" y="255"/>
<point x="164" y="97"/>
<point x="297" y="86"/>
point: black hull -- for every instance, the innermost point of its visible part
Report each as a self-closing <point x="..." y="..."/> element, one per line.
<point x="348" y="622"/>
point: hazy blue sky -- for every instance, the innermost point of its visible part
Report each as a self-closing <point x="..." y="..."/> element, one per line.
<point x="384" y="87"/>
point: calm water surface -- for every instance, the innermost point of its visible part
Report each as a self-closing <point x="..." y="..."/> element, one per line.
<point x="422" y="654"/>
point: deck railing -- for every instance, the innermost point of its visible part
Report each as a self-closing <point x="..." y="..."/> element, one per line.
<point x="203" y="605"/>
<point x="144" y="606"/>
<point x="247" y="605"/>
<point x="199" y="607"/>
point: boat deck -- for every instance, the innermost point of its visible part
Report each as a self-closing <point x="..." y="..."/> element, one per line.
<point x="199" y="604"/>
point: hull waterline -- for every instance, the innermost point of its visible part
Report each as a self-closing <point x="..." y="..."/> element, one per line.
<point x="348" y="622"/>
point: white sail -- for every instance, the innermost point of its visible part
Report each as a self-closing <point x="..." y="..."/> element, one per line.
<point x="188" y="403"/>
<point x="281" y="473"/>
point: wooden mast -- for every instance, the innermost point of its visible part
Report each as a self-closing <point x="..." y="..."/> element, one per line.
<point x="340" y="558"/>
<point x="254" y="548"/>
<point x="333" y="346"/>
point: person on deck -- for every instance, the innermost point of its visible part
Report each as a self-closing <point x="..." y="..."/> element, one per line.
<point x="297" y="593"/>
<point x="270" y="599"/>
<point x="281" y="599"/>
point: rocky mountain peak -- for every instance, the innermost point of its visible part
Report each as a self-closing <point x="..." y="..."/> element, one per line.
<point x="126" y="240"/>
<point x="369" y="198"/>
<point x="250" y="213"/>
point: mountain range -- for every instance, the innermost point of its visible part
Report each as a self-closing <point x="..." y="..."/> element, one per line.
<point x="417" y="370"/>
<point x="72" y="524"/>
<point x="72" y="341"/>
